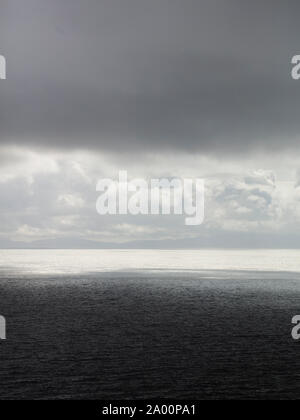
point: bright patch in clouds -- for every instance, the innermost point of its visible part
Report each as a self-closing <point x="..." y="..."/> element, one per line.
<point x="52" y="196"/>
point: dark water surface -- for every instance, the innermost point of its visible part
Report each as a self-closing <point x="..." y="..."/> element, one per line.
<point x="206" y="335"/>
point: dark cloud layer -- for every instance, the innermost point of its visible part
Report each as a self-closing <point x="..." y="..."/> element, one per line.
<point x="203" y="75"/>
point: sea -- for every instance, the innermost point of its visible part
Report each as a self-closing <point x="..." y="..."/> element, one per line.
<point x="149" y="324"/>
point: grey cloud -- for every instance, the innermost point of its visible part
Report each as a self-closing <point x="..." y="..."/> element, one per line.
<point x="150" y="75"/>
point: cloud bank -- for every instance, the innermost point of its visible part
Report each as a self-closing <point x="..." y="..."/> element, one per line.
<point x="158" y="88"/>
<point x="157" y="75"/>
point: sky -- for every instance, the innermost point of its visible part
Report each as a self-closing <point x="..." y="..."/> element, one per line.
<point x="160" y="88"/>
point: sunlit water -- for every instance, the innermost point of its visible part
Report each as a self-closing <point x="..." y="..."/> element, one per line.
<point x="93" y="261"/>
<point x="149" y="324"/>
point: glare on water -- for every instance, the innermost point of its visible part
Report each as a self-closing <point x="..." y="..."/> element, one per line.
<point x="81" y="261"/>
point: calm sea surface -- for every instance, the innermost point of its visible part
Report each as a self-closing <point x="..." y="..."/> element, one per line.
<point x="149" y="324"/>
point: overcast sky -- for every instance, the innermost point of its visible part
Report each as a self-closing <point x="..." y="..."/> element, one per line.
<point x="194" y="88"/>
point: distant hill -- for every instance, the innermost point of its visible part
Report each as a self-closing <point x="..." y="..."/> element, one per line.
<point x="236" y="240"/>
